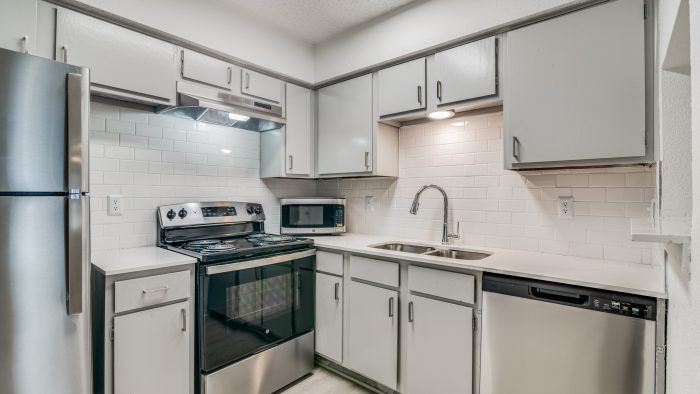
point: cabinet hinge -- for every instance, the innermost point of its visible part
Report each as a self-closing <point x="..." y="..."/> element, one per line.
<point x="646" y="11"/>
<point x="111" y="334"/>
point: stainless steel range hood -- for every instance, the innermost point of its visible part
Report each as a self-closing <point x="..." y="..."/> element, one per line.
<point x="222" y="108"/>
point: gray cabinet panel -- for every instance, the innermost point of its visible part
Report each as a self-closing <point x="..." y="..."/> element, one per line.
<point x="329" y="316"/>
<point x="261" y="86"/>
<point x="17" y="21"/>
<point x="402" y="88"/>
<point x="202" y="68"/>
<point x="299" y="126"/>
<point x="345" y="127"/>
<point x="464" y="73"/>
<point x="575" y="87"/>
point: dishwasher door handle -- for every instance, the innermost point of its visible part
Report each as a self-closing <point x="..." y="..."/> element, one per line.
<point x="558" y="295"/>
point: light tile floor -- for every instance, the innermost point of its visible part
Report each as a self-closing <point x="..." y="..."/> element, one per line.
<point x="325" y="382"/>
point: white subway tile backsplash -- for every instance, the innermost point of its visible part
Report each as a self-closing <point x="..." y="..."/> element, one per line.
<point x="498" y="208"/>
<point x="148" y="159"/>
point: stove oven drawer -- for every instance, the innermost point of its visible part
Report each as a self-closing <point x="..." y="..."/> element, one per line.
<point x="151" y="290"/>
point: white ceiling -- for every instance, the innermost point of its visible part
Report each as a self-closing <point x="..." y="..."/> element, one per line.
<point x="315" y="21"/>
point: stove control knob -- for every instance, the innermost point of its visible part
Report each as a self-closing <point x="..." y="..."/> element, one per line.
<point x="182" y="213"/>
<point x="258" y="210"/>
<point x="250" y="210"/>
<point x="171" y="214"/>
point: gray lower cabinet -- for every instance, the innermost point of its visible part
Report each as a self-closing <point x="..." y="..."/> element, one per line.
<point x="373" y="332"/>
<point x="18" y="24"/>
<point x="329" y="316"/>
<point x="439" y="347"/>
<point x="152" y="351"/>
<point x="122" y="62"/>
<point x="562" y="109"/>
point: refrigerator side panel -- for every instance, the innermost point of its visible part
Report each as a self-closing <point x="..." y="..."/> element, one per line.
<point x="33" y="123"/>
<point x="42" y="348"/>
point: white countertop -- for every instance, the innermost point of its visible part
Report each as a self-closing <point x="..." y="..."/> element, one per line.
<point x="121" y="261"/>
<point x="641" y="279"/>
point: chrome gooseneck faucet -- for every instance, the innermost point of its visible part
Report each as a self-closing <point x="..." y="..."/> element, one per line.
<point x="414" y="209"/>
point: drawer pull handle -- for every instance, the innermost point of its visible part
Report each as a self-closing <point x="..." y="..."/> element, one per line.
<point x="391" y="306"/>
<point x="410" y="312"/>
<point x="420" y="95"/>
<point x="183" y="315"/>
<point x="156" y="290"/>
<point x="337" y="291"/>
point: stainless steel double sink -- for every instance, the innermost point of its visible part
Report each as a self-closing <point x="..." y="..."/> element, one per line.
<point x="457" y="254"/>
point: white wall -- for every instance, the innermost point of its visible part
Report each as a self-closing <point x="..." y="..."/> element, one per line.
<point x="499" y="208"/>
<point x="222" y="29"/>
<point x="419" y="26"/>
<point x="153" y="160"/>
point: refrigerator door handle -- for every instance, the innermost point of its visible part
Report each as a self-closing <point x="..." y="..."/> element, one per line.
<point x="78" y="86"/>
<point x="78" y="250"/>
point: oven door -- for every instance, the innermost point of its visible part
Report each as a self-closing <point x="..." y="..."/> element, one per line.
<point x="312" y="218"/>
<point x="249" y="306"/>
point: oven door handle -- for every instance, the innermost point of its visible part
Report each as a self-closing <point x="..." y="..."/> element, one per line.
<point x="244" y="265"/>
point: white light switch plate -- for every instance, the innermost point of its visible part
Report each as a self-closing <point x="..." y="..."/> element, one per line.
<point x="114" y="205"/>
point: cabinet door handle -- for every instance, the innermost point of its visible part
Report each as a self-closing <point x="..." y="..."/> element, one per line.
<point x="420" y="95"/>
<point x="439" y="91"/>
<point x="230" y="75"/>
<point x="337" y="291"/>
<point x="410" y="311"/>
<point x="391" y="306"/>
<point x="291" y="162"/>
<point x="65" y="53"/>
<point x="247" y="81"/>
<point x="367" y="160"/>
<point x="156" y="290"/>
<point x="516" y="148"/>
<point x="183" y="316"/>
<point x="25" y="44"/>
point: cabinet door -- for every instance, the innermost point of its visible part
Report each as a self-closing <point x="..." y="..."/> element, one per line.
<point x="205" y="69"/>
<point x="345" y="127"/>
<point x="575" y="86"/>
<point x="329" y="316"/>
<point x="439" y="347"/>
<point x="298" y="130"/>
<point x="402" y="88"/>
<point x="464" y="73"/>
<point x="117" y="57"/>
<point x="261" y="86"/>
<point x="152" y="351"/>
<point x="373" y="332"/>
<point x="17" y="21"/>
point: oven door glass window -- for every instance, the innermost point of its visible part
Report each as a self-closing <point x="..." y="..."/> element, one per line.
<point x="312" y="215"/>
<point x="250" y="310"/>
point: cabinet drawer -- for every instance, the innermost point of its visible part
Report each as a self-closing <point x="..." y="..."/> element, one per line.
<point x="151" y="290"/>
<point x="331" y="263"/>
<point x="377" y="271"/>
<point x="450" y="285"/>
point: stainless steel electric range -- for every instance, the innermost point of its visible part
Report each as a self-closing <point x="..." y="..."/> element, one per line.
<point x="255" y="296"/>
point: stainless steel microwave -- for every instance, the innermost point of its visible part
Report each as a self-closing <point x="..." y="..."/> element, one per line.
<point x="312" y="215"/>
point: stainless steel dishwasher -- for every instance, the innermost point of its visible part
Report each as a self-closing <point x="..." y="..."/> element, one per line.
<point x="547" y="338"/>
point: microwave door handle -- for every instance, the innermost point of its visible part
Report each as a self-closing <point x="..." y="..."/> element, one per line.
<point x="233" y="267"/>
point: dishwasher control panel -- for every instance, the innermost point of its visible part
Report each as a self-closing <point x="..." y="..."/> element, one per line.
<point x="620" y="307"/>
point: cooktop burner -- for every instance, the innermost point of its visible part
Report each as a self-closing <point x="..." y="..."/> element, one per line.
<point x="216" y="249"/>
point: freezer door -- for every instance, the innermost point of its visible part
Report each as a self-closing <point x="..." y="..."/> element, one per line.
<point x="43" y="348"/>
<point x="535" y="347"/>
<point x="43" y="123"/>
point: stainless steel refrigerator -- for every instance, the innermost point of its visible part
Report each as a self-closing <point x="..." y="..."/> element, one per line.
<point x="44" y="226"/>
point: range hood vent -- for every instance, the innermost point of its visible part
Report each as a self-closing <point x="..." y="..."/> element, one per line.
<point x="228" y="110"/>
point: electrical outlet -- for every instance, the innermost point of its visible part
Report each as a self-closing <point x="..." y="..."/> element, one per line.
<point x="114" y="205"/>
<point x="566" y="207"/>
<point x="369" y="203"/>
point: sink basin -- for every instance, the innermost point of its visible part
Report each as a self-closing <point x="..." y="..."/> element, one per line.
<point x="458" y="254"/>
<point x="408" y="248"/>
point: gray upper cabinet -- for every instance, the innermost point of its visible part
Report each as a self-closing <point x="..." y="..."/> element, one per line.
<point x="205" y="69"/>
<point x="466" y="72"/>
<point x="563" y="109"/>
<point x="402" y="88"/>
<point x="299" y="130"/>
<point x="18" y="25"/>
<point x="345" y="127"/>
<point x="122" y="62"/>
<point x="261" y="86"/>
